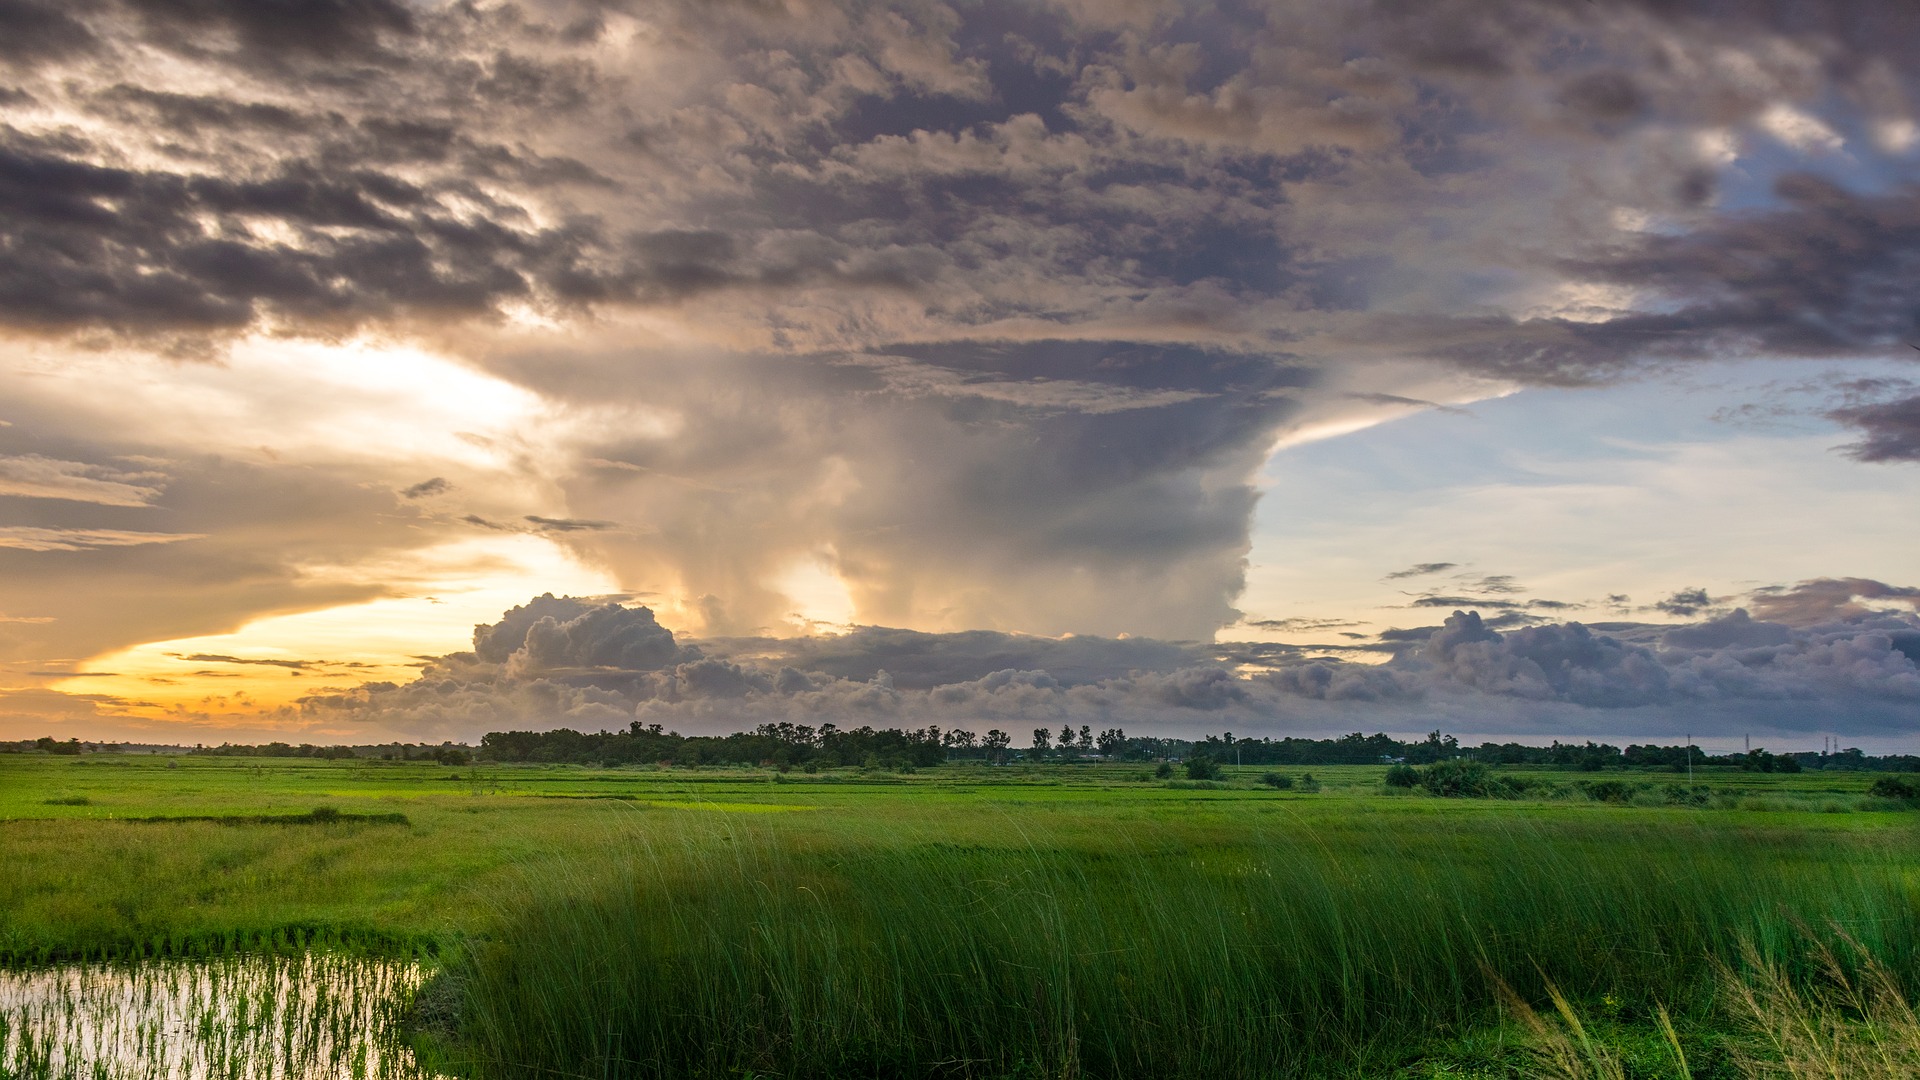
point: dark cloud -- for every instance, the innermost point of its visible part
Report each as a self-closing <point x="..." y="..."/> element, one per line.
<point x="1684" y="602"/>
<point x="559" y="660"/>
<point x="1421" y="570"/>
<point x="1563" y="663"/>
<point x="217" y="658"/>
<point x="978" y="165"/>
<point x="1825" y="599"/>
<point x="1467" y="601"/>
<point x="1736" y="628"/>
<point x="438" y="485"/>
<point x="327" y="29"/>
<point x="1891" y="429"/>
<point x="569" y="525"/>
<point x="32" y="32"/>
<point x="552" y="633"/>
<point x="919" y="661"/>
<point x="1300" y="624"/>
<point x="1830" y="273"/>
<point x="89" y="245"/>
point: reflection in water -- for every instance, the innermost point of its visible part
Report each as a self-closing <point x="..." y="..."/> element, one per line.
<point x="244" y="1018"/>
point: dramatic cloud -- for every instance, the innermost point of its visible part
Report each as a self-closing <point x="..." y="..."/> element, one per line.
<point x="970" y="318"/>
<point x="561" y="661"/>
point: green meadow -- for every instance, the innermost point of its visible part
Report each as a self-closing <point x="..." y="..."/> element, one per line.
<point x="1018" y="921"/>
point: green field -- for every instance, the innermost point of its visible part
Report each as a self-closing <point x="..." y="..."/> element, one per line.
<point x="979" y="921"/>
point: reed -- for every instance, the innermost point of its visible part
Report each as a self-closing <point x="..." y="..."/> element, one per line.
<point x="1325" y="949"/>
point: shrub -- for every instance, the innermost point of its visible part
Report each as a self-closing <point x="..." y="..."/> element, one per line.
<point x="1164" y="772"/>
<point x="1680" y="795"/>
<point x="1403" y="776"/>
<point x="1202" y="767"/>
<point x="1458" y="778"/>
<point x="1308" y="784"/>
<point x="1613" y="791"/>
<point x="1275" y="780"/>
<point x="325" y="814"/>
<point x="1891" y="787"/>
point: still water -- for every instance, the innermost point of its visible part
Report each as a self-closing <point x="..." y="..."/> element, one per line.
<point x="237" y="1018"/>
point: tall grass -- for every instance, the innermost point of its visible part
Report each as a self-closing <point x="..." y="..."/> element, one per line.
<point x="1282" y="952"/>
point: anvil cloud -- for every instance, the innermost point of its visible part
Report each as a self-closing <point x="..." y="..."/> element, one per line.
<point x="964" y="318"/>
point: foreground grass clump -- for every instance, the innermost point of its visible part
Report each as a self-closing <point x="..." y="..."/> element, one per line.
<point x="1264" y="952"/>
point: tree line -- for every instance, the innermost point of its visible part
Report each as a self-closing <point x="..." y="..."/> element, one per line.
<point x="788" y="745"/>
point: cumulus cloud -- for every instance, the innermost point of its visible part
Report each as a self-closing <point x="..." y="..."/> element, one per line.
<point x="562" y="661"/>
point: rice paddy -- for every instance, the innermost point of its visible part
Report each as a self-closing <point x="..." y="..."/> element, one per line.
<point x="304" y="1017"/>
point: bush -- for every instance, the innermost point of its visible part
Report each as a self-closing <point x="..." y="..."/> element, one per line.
<point x="1403" y="776"/>
<point x="1613" y="791"/>
<point x="1458" y="778"/>
<point x="1164" y="772"/>
<point x="1890" y="787"/>
<point x="1308" y="784"/>
<point x="1202" y="767"/>
<point x="1680" y="795"/>
<point x="1275" y="780"/>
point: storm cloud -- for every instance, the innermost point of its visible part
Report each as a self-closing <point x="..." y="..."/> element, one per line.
<point x="976" y="319"/>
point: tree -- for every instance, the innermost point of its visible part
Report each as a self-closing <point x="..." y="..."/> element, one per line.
<point x="1042" y="742"/>
<point x="1112" y="742"/>
<point x="996" y="742"/>
<point x="1085" y="741"/>
<point x="1202" y="767"/>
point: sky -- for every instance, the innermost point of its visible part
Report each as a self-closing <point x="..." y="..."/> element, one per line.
<point x="410" y="369"/>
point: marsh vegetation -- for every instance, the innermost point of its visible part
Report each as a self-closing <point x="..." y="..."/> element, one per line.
<point x="987" y="922"/>
<point x="250" y="1017"/>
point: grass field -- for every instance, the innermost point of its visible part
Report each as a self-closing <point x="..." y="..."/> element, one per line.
<point x="1046" y="921"/>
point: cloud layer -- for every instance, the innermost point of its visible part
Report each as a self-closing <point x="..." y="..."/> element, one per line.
<point x="970" y="317"/>
<point x="566" y="662"/>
